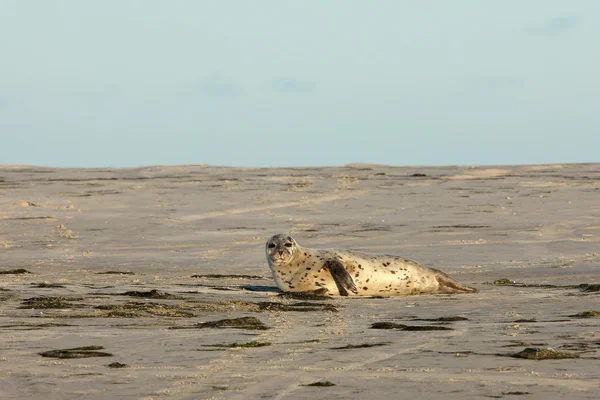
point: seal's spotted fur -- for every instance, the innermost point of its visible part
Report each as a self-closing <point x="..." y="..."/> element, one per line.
<point x="352" y="273"/>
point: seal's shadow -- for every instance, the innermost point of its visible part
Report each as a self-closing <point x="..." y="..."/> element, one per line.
<point x="261" y="288"/>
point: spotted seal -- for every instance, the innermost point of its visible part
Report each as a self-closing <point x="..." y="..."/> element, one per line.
<point x="352" y="273"/>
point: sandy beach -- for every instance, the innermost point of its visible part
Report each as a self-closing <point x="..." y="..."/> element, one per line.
<point x="147" y="272"/>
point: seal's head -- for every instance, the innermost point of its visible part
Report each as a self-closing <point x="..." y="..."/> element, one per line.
<point x="281" y="249"/>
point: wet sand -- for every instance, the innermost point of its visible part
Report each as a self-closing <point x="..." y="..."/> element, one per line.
<point x="151" y="283"/>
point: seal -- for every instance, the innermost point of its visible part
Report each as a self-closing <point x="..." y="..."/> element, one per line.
<point x="352" y="273"/>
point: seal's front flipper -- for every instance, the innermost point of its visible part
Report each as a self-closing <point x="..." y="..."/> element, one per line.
<point x="341" y="277"/>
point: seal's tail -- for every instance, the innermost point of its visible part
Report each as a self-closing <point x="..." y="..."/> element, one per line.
<point x="449" y="285"/>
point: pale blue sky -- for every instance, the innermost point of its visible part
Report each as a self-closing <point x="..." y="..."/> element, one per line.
<point x="293" y="83"/>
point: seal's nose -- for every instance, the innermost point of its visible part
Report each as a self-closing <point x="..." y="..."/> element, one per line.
<point x="280" y="252"/>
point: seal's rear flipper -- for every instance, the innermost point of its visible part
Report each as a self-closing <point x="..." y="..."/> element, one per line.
<point x="448" y="285"/>
<point x="341" y="277"/>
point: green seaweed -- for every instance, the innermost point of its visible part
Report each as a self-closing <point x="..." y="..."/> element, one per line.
<point x="387" y="325"/>
<point x="360" y="346"/>
<point x="249" y="323"/>
<point x="402" y="327"/>
<point x="321" y="384"/>
<point x="537" y="353"/>
<point x="426" y="328"/>
<point x="135" y="309"/>
<point x="15" y="272"/>
<point x="151" y="294"/>
<point x="117" y="365"/>
<point x="77" y="352"/>
<point x="45" y="285"/>
<point x="246" y="345"/>
<point x="442" y="319"/>
<point x="585" y="287"/>
<point x="587" y="314"/>
<point x="48" y="302"/>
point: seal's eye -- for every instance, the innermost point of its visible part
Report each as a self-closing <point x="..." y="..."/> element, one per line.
<point x="271" y="245"/>
<point x="288" y="245"/>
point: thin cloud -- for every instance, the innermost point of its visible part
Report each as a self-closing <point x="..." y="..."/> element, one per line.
<point x="216" y="86"/>
<point x="293" y="85"/>
<point x="497" y="82"/>
<point x="556" y="26"/>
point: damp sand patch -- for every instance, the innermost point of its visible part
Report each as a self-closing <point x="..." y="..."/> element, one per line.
<point x="518" y="343"/>
<point x="584" y="287"/>
<point x="301" y="306"/>
<point x="219" y="276"/>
